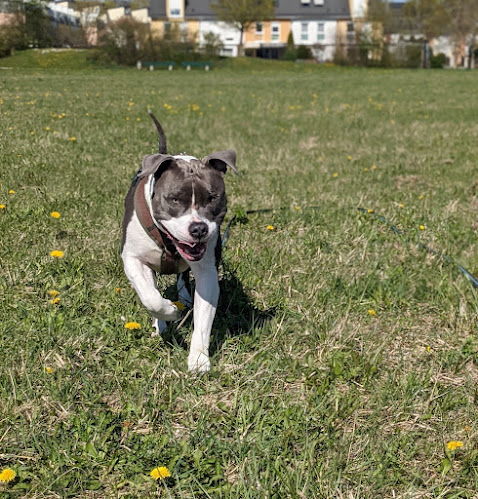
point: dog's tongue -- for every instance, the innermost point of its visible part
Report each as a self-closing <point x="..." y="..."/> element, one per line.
<point x="191" y="251"/>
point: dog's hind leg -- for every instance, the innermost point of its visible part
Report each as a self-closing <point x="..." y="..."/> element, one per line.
<point x="184" y="288"/>
<point x="159" y="326"/>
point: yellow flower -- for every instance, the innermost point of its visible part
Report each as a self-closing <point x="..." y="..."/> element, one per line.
<point x="47" y="128"/>
<point x="270" y="227"/>
<point x="49" y="369"/>
<point x="335" y="175"/>
<point x="55" y="301"/>
<point x="349" y="157"/>
<point x="55" y="214"/>
<point x="401" y="205"/>
<point x="132" y="325"/>
<point x="454" y="444"/>
<point x="160" y="473"/>
<point x="422" y="227"/>
<point x="370" y="210"/>
<point x="374" y="167"/>
<point x="138" y="119"/>
<point x="180" y="305"/>
<point x="7" y="475"/>
<point x="56" y="254"/>
<point x="118" y="290"/>
<point x="372" y="312"/>
<point x="53" y="293"/>
<point x="72" y="139"/>
<point x="11" y="191"/>
<point x="2" y="206"/>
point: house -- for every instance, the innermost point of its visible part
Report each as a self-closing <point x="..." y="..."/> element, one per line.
<point x="321" y="25"/>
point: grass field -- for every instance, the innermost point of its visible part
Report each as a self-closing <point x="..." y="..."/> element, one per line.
<point x="344" y="356"/>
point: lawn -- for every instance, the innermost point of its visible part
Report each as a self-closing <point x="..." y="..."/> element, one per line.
<point x="344" y="355"/>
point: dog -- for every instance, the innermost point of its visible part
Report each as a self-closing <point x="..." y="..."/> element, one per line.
<point x="171" y="225"/>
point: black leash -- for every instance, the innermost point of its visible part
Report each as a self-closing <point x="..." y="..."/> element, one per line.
<point x="395" y="229"/>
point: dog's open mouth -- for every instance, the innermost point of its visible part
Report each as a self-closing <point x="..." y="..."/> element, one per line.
<point x="191" y="251"/>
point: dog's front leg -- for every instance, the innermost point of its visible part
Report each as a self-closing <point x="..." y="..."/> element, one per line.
<point x="143" y="280"/>
<point x="206" y="296"/>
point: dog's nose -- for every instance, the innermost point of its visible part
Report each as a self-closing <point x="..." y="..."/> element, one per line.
<point x="198" y="230"/>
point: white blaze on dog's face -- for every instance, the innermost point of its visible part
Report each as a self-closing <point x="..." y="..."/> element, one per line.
<point x="189" y="202"/>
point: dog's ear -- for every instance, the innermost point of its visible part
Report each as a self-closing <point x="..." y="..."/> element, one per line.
<point x="155" y="163"/>
<point x="221" y="160"/>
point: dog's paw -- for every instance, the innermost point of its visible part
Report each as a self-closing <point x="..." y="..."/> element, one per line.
<point x="198" y="362"/>
<point x="168" y="311"/>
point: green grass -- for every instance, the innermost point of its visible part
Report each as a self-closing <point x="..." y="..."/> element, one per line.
<point x="310" y="395"/>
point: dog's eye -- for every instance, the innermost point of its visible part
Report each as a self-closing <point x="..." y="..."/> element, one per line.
<point x="173" y="199"/>
<point x="212" y="198"/>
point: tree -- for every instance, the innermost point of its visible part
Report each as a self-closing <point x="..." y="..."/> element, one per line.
<point x="462" y="26"/>
<point x="429" y="18"/>
<point x="242" y="14"/>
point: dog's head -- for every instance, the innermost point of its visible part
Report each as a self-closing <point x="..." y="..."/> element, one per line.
<point x="189" y="198"/>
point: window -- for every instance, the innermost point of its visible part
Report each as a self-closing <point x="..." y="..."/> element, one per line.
<point x="174" y="12"/>
<point x="275" y="32"/>
<point x="350" y="31"/>
<point x="318" y="2"/>
<point x="259" y="28"/>
<point x="305" y="2"/>
<point x="320" y="32"/>
<point x="304" y="31"/>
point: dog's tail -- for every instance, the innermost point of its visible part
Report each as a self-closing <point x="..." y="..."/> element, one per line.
<point x="162" y="145"/>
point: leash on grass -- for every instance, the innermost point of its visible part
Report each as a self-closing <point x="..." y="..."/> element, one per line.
<point x="443" y="256"/>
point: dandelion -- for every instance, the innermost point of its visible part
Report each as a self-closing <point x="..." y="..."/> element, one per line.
<point x="270" y="227"/>
<point x="429" y="349"/>
<point x="374" y="167"/>
<point x="454" y="444"/>
<point x="132" y="325"/>
<point x="349" y="158"/>
<point x="372" y="312"/>
<point x="55" y="214"/>
<point x="49" y="369"/>
<point x="160" y="473"/>
<point x="335" y="175"/>
<point x="11" y="191"/>
<point x="297" y="208"/>
<point x="179" y="305"/>
<point x="72" y="139"/>
<point x="2" y="206"/>
<point x="421" y="227"/>
<point x="53" y="293"/>
<point x="370" y="211"/>
<point x="7" y="475"/>
<point x="118" y="290"/>
<point x="401" y="205"/>
<point x="138" y="119"/>
<point x="55" y="301"/>
<point x="47" y="128"/>
<point x="57" y="254"/>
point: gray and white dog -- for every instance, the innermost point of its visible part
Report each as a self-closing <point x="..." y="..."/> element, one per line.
<point x="173" y="212"/>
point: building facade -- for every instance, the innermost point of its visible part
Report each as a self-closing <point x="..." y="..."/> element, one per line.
<point x="320" y="25"/>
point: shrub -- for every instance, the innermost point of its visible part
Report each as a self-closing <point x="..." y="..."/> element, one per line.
<point x="438" y="61"/>
<point x="303" y="52"/>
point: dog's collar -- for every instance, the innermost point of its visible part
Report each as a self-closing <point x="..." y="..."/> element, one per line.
<point x="170" y="258"/>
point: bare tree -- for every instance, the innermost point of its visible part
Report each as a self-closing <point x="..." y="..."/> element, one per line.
<point x="429" y="18"/>
<point x="242" y="14"/>
<point x="462" y="27"/>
